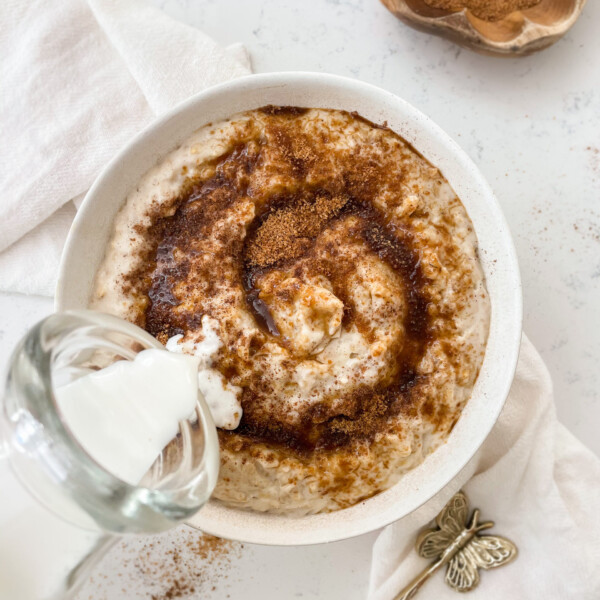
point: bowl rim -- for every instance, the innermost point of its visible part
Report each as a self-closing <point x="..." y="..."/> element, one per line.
<point x="261" y="528"/>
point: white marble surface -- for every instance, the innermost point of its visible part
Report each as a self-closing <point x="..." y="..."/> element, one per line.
<point x="533" y="127"/>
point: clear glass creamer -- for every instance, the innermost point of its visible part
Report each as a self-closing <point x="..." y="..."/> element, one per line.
<point x="60" y="511"/>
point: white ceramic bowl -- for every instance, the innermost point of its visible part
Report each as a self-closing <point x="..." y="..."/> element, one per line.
<point x="93" y="226"/>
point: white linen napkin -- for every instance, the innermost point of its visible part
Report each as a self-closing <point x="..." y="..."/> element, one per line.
<point x="79" y="79"/>
<point x="538" y="483"/>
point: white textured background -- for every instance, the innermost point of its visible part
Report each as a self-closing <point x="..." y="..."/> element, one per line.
<point x="533" y="127"/>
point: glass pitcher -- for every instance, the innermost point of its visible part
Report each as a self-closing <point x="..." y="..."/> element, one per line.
<point x="60" y="511"/>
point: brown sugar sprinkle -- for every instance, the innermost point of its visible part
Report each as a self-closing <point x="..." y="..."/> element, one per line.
<point x="287" y="232"/>
<point x="488" y="10"/>
<point x="371" y="415"/>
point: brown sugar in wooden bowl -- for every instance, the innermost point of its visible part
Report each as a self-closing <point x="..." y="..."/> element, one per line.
<point x="500" y="27"/>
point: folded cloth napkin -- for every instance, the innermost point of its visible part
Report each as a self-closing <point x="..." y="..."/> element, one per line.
<point x="538" y="483"/>
<point x="79" y="79"/>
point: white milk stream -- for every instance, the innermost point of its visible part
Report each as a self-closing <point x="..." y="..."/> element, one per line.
<point x="123" y="416"/>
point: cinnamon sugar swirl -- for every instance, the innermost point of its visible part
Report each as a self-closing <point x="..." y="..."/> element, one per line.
<point x="328" y="276"/>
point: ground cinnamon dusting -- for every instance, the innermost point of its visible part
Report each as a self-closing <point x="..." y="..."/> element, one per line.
<point x="488" y="10"/>
<point x="194" y="566"/>
<point x="182" y="565"/>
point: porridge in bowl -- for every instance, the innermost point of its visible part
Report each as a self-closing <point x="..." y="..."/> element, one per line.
<point x="328" y="277"/>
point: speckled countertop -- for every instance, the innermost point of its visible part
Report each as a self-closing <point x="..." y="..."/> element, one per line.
<point x="532" y="125"/>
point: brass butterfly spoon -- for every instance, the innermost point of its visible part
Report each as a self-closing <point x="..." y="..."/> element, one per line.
<point x="459" y="546"/>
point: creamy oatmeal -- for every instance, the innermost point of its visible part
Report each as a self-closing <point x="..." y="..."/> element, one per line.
<point x="327" y="275"/>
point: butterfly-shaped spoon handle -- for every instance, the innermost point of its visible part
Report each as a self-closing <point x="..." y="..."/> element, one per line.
<point x="456" y="541"/>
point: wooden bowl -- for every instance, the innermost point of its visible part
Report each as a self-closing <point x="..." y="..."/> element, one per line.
<point x="517" y="34"/>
